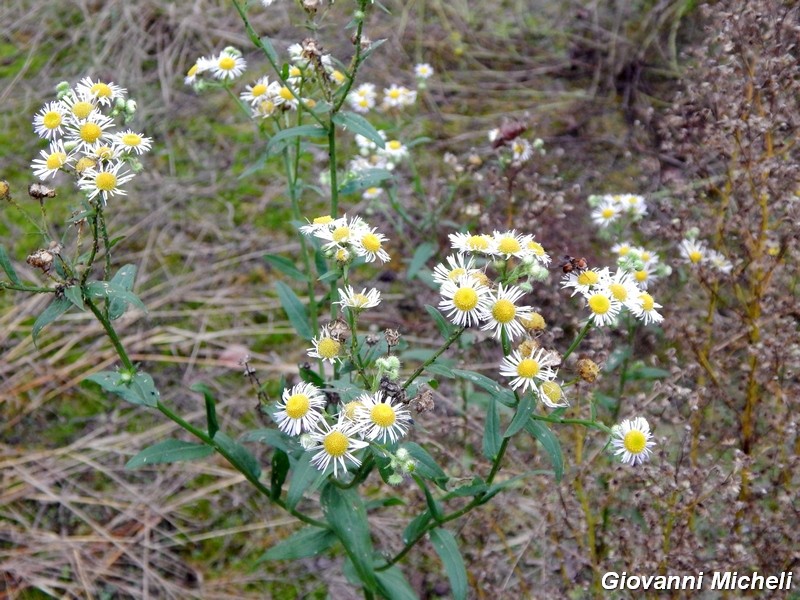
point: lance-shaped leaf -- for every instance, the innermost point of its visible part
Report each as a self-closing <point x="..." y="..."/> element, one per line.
<point x="447" y="548"/>
<point x="169" y="451"/>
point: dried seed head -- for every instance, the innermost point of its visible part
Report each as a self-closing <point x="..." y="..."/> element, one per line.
<point x="40" y="191"/>
<point x="423" y="402"/>
<point x="392" y="337"/>
<point x="588" y="370"/>
<point x="4" y="189"/>
<point x="528" y="347"/>
<point x="338" y="330"/>
<point x="41" y="259"/>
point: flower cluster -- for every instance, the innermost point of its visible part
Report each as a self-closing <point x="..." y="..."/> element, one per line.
<point x="334" y="439"/>
<point x="84" y="139"/>
<point x="344" y="239"/>
<point x="644" y="265"/>
<point x="612" y="208"/>
<point x="372" y="156"/>
<point x="470" y="298"/>
<point x="364" y="98"/>
<point x="697" y="253"/>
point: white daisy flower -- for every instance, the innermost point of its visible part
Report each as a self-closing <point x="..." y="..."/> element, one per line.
<point x="504" y="314"/>
<point x="229" y="64"/>
<point x="529" y="372"/>
<point x="394" y="150"/>
<point x="536" y="250"/>
<point x="521" y="150"/>
<point x="369" y="244"/>
<point x="256" y="92"/>
<point x="380" y="419"/>
<point x="459" y="264"/>
<point x="130" y="141"/>
<point x="395" y="96"/>
<point x="300" y="408"/>
<point x="606" y="212"/>
<point x="552" y="394"/>
<point x="336" y="444"/>
<point x="603" y="306"/>
<point x="318" y="224"/>
<point x="622" y="248"/>
<point x="79" y="106"/>
<point x="105" y="181"/>
<point x="200" y="66"/>
<point x="693" y="251"/>
<point x="622" y="287"/>
<point x="52" y="160"/>
<point x="584" y="281"/>
<point x="719" y="262"/>
<point x="371" y="193"/>
<point x="632" y="441"/>
<point x="645" y="309"/>
<point x="47" y="123"/>
<point x="342" y="232"/>
<point x="466" y="242"/>
<point x="105" y="93"/>
<point x="644" y="277"/>
<point x="464" y="300"/>
<point x="91" y="132"/>
<point x="326" y="347"/>
<point x="635" y="205"/>
<point x="508" y="244"/>
<point x="359" y="300"/>
<point x="423" y="71"/>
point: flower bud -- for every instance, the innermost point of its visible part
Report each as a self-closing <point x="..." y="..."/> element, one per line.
<point x="536" y="322"/>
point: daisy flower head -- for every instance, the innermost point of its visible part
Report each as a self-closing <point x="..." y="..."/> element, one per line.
<point x="326" y="346"/>
<point x="394" y="150"/>
<point x="299" y="408"/>
<point x="105" y="93"/>
<point x="528" y="372"/>
<point x="457" y="265"/>
<point x="423" y="71"/>
<point x="359" y="300"/>
<point x="363" y="98"/>
<point x="694" y="252"/>
<point x="521" y="150"/>
<point x="105" y="181"/>
<point x="645" y="309"/>
<point x="52" y="160"/>
<point x="552" y="394"/>
<point x="633" y="204"/>
<point x="622" y="248"/>
<point x="397" y="96"/>
<point x="464" y="300"/>
<point x="371" y="193"/>
<point x="256" y="92"/>
<point x="48" y="121"/>
<point x="603" y="306"/>
<point x="380" y="419"/>
<point x="466" y="242"/>
<point x="341" y="231"/>
<point x="228" y="64"/>
<point x="632" y="441"/>
<point x="719" y="262"/>
<point x="503" y="313"/>
<point x="644" y="277"/>
<point x="606" y="212"/>
<point x="92" y="131"/>
<point x="584" y="280"/>
<point x="369" y="244"/>
<point x="131" y="142"/>
<point x="508" y="244"/>
<point x="336" y="444"/>
<point x="318" y="224"/>
<point x="200" y="66"/>
<point x="536" y="250"/>
<point x="622" y="287"/>
<point x="80" y="107"/>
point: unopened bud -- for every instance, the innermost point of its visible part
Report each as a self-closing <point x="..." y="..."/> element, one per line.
<point x="535" y="322"/>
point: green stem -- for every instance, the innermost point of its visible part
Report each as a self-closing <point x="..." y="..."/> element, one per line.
<point x="448" y="342"/>
<point x="333" y="167"/>
<point x="5" y="285"/>
<point x="577" y="340"/>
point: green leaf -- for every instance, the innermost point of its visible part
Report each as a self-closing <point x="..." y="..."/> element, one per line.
<point x="278" y="141"/>
<point x="285" y="266"/>
<point x="270" y="437"/>
<point x="140" y="389"/>
<point x="347" y="516"/>
<point x="393" y="585"/>
<point x="239" y="453"/>
<point x="365" y="179"/>
<point x="443" y="325"/>
<point x="304" y="543"/>
<point x="5" y="263"/>
<point x="500" y="393"/>
<point x="295" y="310"/>
<point x="123" y="279"/>
<point x="269" y="50"/>
<point x="616" y="358"/>
<point x="437" y="368"/>
<point x="374" y="45"/>
<point x="421" y="255"/>
<point x="522" y="416"/>
<point x="475" y="487"/>
<point x="358" y="125"/>
<point x="169" y="451"/>
<point x="305" y="477"/>
<point x="491" y="431"/>
<point x="549" y="442"/>
<point x="73" y="294"/>
<point x="434" y="508"/>
<point x="415" y="528"/>
<point x="280" y="467"/>
<point x="116" y="294"/>
<point x="640" y="372"/>
<point x="446" y="547"/>
<point x="211" y="410"/>
<point x="53" y="311"/>
<point x="426" y="466"/>
<point x="499" y="487"/>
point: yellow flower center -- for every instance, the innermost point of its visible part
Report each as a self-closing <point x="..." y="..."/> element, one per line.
<point x="342" y="255"/>
<point x="131" y="139"/>
<point x="360" y="299"/>
<point x="607" y="213"/>
<point x="618" y="291"/>
<point x="641" y="275"/>
<point x="338" y="77"/>
<point x="83" y="164"/>
<point x="552" y="390"/>
<point x="51" y="120"/>
<point x="394" y="145"/>
<point x="624" y="250"/>
<point x="295" y="71"/>
<point x="193" y="71"/>
<point x="341" y="234"/>
<point x="104" y="152"/>
<point x="286" y="93"/>
<point x="226" y="63"/>
<point x="324" y="220"/>
<point x="536" y="248"/>
<point x="456" y="273"/>
<point x="508" y="245"/>
<point x="588" y="278"/>
<point x="336" y="444"/>
<point x="535" y="323"/>
<point x="528" y="368"/>
<point x="478" y="242"/>
<point x="695" y="256"/>
<point x="647" y="301"/>
<point x="350" y="409"/>
<point x="371" y="242"/>
<point x="645" y="256"/>
<point x="105" y="181"/>
<point x="90" y="132"/>
<point x="465" y="299"/>
<point x="383" y="415"/>
<point x="363" y="102"/>
<point x="481" y="278"/>
<point x="56" y="160"/>
<point x="504" y="311"/>
<point x="297" y="406"/>
<point x="82" y="109"/>
<point x="634" y="441"/>
<point x="394" y="94"/>
<point x="102" y="90"/>
<point x="328" y="347"/>
<point x="259" y="89"/>
<point x="267" y="107"/>
<point x="599" y="304"/>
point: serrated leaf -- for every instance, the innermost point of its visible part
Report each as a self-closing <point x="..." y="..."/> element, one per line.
<point x="239" y="453"/>
<point x="357" y="124"/>
<point x="73" y="294"/>
<point x="211" y="410"/>
<point x="426" y="465"/>
<point x="304" y="543"/>
<point x="278" y="141"/>
<point x="365" y="179"/>
<point x="53" y="311"/>
<point x="347" y="517"/>
<point x="421" y="255"/>
<point x="295" y="310"/>
<point x="550" y="443"/>
<point x="442" y="324"/>
<point x="169" y="451"/>
<point x="5" y="263"/>
<point x="522" y="416"/>
<point x="285" y="266"/>
<point x="393" y="585"/>
<point x="446" y="547"/>
<point x="491" y="432"/>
